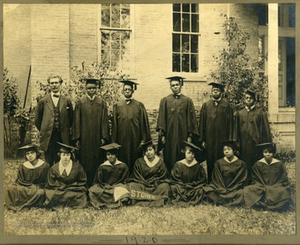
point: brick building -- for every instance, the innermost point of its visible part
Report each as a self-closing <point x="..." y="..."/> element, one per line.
<point x="151" y="42"/>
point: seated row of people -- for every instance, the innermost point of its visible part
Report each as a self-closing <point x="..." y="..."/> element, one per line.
<point x="64" y="184"/>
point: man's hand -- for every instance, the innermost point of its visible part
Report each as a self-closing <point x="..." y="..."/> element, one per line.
<point x="163" y="140"/>
<point x="102" y="141"/>
<point x="189" y="139"/>
<point x="203" y="144"/>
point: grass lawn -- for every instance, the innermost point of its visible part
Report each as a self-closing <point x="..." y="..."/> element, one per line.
<point x="170" y="220"/>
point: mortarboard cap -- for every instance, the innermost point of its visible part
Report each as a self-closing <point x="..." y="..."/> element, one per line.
<point x="29" y="147"/>
<point x="176" y="78"/>
<point x="231" y="143"/>
<point x="217" y="85"/>
<point x="66" y="148"/>
<point x="146" y="144"/>
<point x="193" y="146"/>
<point x="91" y="81"/>
<point x="131" y="83"/>
<point x="267" y="145"/>
<point x="111" y="146"/>
<point x="251" y="93"/>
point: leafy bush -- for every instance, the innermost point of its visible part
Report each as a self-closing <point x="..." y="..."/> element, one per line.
<point x="236" y="70"/>
<point x="15" y="117"/>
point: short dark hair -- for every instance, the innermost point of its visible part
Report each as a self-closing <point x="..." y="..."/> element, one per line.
<point x="36" y="150"/>
<point x="55" y="76"/>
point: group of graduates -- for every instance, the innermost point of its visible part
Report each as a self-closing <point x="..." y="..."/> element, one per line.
<point x="125" y="167"/>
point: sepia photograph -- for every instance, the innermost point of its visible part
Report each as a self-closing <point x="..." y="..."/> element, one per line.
<point x="150" y="123"/>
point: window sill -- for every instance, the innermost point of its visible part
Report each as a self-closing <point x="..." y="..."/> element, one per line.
<point x="286" y="110"/>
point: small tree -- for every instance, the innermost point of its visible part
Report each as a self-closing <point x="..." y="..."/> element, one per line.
<point x="14" y="115"/>
<point x="236" y="70"/>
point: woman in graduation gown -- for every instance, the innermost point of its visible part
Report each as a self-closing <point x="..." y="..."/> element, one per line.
<point x="229" y="177"/>
<point x="28" y="189"/>
<point x="188" y="178"/>
<point x="270" y="187"/>
<point x="149" y="185"/>
<point x="66" y="182"/>
<point x="108" y="189"/>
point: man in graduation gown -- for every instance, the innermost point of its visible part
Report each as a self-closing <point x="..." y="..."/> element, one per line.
<point x="53" y="118"/>
<point x="253" y="128"/>
<point x="130" y="125"/>
<point x="176" y="122"/>
<point x="215" y="125"/>
<point x="90" y="129"/>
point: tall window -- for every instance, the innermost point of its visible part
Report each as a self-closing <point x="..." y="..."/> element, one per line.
<point x="185" y="37"/>
<point x="286" y="50"/>
<point x="115" y="34"/>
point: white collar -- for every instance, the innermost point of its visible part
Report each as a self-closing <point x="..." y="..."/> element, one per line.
<point x="233" y="159"/>
<point x="274" y="160"/>
<point x="108" y="163"/>
<point x="250" y="108"/>
<point x="153" y="163"/>
<point x="91" y="98"/>
<point x="184" y="161"/>
<point x="68" y="168"/>
<point x="28" y="164"/>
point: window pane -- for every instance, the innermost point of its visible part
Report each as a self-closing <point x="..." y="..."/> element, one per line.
<point x="290" y="71"/>
<point x="194" y="8"/>
<point x="195" y="23"/>
<point x="185" y="63"/>
<point x="176" y="43"/>
<point x="115" y="40"/>
<point x="194" y="43"/>
<point x="176" y="7"/>
<point x="176" y="22"/>
<point x="291" y="15"/>
<point x="105" y="56"/>
<point x="105" y="38"/>
<point x="185" y="43"/>
<point x="194" y="63"/>
<point x="262" y="15"/>
<point x="176" y="62"/>
<point x="105" y="17"/>
<point x="115" y="56"/>
<point x="185" y="8"/>
<point x="125" y="18"/>
<point x="185" y="22"/>
<point x="115" y="15"/>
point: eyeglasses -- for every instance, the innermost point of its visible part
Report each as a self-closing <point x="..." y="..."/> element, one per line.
<point x="90" y="88"/>
<point x="248" y="98"/>
<point x="175" y="85"/>
<point x="127" y="89"/>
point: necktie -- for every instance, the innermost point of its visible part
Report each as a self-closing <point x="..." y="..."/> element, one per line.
<point x="56" y="95"/>
<point x="128" y="101"/>
<point x="64" y="173"/>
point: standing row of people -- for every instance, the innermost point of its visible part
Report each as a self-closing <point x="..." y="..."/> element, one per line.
<point x="87" y="127"/>
<point x="65" y="183"/>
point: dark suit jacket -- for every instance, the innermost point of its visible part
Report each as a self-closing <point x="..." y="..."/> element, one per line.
<point x="44" y="119"/>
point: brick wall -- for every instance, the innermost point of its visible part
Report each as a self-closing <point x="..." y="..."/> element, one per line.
<point x="49" y="43"/>
<point x="17" y="45"/>
<point x="83" y="34"/>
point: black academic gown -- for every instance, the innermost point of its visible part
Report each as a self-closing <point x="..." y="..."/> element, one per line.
<point x="90" y="125"/>
<point x="187" y="182"/>
<point x="66" y="191"/>
<point x="149" y="185"/>
<point x="228" y="181"/>
<point x="253" y="128"/>
<point x="107" y="177"/>
<point x="177" y="119"/>
<point x="28" y="190"/>
<point x="270" y="186"/>
<point x="130" y="126"/>
<point x="216" y="124"/>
